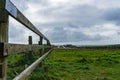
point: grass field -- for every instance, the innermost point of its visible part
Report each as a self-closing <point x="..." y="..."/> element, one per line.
<point x="18" y="62"/>
<point x="80" y="64"/>
<point x="70" y="64"/>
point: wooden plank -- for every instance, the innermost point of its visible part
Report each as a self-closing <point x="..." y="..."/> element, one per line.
<point x="3" y="68"/>
<point x="28" y="71"/>
<point x="3" y="38"/>
<point x="47" y="46"/>
<point x="8" y="48"/>
<point x="16" y="14"/>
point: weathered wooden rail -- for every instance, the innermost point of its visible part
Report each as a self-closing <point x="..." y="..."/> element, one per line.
<point x="8" y="8"/>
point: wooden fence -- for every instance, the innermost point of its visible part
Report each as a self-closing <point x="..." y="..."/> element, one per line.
<point x="8" y="8"/>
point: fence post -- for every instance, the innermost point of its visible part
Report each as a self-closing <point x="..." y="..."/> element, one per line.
<point x="48" y="44"/>
<point x="3" y="38"/>
<point x="30" y="53"/>
<point x="30" y="43"/>
<point x="30" y="40"/>
<point x="41" y="50"/>
<point x="41" y="43"/>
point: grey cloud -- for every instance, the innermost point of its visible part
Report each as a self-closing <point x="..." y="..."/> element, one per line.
<point x="20" y="4"/>
<point x="75" y="17"/>
<point x="113" y="14"/>
<point x="70" y="16"/>
<point x="16" y="34"/>
<point x="118" y="33"/>
<point x="40" y="2"/>
<point x="63" y="35"/>
<point x="58" y="35"/>
<point x="79" y="15"/>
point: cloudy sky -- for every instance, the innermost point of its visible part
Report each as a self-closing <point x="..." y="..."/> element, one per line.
<point x="81" y="22"/>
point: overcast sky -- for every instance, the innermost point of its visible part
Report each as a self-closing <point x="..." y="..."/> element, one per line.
<point x="81" y="22"/>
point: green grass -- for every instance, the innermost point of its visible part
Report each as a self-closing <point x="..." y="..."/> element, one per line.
<point x="18" y="62"/>
<point x="79" y="64"/>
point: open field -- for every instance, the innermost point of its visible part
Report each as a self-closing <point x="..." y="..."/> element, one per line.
<point x="18" y="62"/>
<point x="79" y="64"/>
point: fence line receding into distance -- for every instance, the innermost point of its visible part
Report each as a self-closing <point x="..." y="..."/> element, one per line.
<point x="8" y="8"/>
